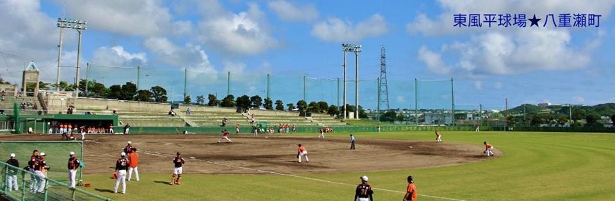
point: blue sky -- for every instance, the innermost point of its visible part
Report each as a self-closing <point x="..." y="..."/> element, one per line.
<point x="292" y="39"/>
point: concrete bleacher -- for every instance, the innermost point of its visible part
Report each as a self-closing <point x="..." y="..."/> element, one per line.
<point x="156" y="115"/>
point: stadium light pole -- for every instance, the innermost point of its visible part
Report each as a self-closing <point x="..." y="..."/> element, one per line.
<point x="78" y="25"/>
<point x="345" y="48"/>
<point x="60" y="25"/>
<point x="356" y="49"/>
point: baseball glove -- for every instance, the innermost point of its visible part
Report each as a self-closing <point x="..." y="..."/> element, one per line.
<point x="297" y="154"/>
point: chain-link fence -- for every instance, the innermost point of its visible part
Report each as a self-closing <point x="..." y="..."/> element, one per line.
<point x="19" y="184"/>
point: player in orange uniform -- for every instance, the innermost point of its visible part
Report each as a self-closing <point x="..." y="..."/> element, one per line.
<point x="438" y="137"/>
<point x="301" y="151"/>
<point x="410" y="190"/>
<point x="488" y="149"/>
<point x="133" y="159"/>
<point x="237" y="129"/>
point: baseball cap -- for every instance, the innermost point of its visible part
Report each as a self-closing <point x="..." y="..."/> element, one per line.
<point x="123" y="154"/>
<point x="129" y="142"/>
<point x="12" y="155"/>
<point x="72" y="153"/>
<point x="364" y="178"/>
<point x="43" y="154"/>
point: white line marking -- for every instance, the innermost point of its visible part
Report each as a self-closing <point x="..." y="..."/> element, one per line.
<point x="301" y="177"/>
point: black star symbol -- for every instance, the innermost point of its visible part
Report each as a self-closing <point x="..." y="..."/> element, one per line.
<point x="534" y="20"/>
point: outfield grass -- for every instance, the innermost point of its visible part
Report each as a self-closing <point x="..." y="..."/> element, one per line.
<point x="535" y="166"/>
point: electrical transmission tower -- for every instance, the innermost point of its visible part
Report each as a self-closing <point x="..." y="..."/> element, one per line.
<point x="383" y="89"/>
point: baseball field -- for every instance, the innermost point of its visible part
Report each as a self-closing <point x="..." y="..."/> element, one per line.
<point x="527" y="166"/>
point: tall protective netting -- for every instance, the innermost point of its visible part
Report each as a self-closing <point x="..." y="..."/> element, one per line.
<point x="31" y="187"/>
<point x="57" y="154"/>
<point x="436" y="99"/>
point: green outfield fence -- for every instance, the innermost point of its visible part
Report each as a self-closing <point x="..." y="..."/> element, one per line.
<point x="54" y="190"/>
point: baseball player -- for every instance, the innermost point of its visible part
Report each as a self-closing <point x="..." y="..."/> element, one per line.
<point x="364" y="191"/>
<point x="410" y="190"/>
<point x="73" y="164"/>
<point x="237" y="129"/>
<point x="133" y="158"/>
<point x="225" y="136"/>
<point x="351" y="141"/>
<point x="322" y="133"/>
<point x="438" y="137"/>
<point x="177" y="172"/>
<point x="301" y="151"/>
<point x="128" y="148"/>
<point x="488" y="149"/>
<point x="31" y="167"/>
<point x="126" y="129"/>
<point x="39" y="167"/>
<point x="121" y="165"/>
<point x="13" y="165"/>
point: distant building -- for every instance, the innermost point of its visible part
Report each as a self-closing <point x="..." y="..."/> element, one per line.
<point x="544" y="104"/>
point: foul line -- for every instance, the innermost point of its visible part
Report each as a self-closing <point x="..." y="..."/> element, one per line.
<point x="301" y="177"/>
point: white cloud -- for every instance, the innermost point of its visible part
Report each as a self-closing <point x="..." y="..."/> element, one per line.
<point x="237" y="33"/>
<point x="117" y="56"/>
<point x="137" y="17"/>
<point x="498" y="85"/>
<point x="191" y="57"/>
<point x="27" y="34"/>
<point x="338" y="30"/>
<point x="442" y="24"/>
<point x="578" y="99"/>
<point x="401" y="99"/>
<point x="512" y="50"/>
<point x="433" y="60"/>
<point x="291" y="12"/>
<point x="478" y="85"/>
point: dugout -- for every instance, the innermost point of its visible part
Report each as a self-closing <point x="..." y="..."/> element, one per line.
<point x="41" y="123"/>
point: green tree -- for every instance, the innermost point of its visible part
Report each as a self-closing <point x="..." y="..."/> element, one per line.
<point x="268" y="104"/>
<point x="243" y="103"/>
<point x="98" y="90"/>
<point x="115" y="91"/>
<point x="290" y="106"/>
<point x="187" y="100"/>
<point x="256" y="101"/>
<point x="129" y="91"/>
<point x="388" y="116"/>
<point x="228" y="101"/>
<point x="279" y="105"/>
<point x="324" y="106"/>
<point x="400" y="117"/>
<point x="213" y="100"/>
<point x="333" y="110"/>
<point x="144" y="95"/>
<point x="314" y="107"/>
<point x="44" y="85"/>
<point x="302" y="105"/>
<point x="200" y="100"/>
<point x="362" y="113"/>
<point x="159" y="94"/>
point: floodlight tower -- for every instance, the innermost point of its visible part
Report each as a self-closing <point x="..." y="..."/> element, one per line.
<point x="78" y="25"/>
<point x="356" y="49"/>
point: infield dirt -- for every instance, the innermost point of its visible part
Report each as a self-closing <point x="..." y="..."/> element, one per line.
<point x="259" y="155"/>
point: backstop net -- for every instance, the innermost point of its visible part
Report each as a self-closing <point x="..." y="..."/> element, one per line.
<point x="434" y="99"/>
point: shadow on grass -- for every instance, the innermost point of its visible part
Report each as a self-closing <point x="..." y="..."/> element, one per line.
<point x="162" y="182"/>
<point x="103" y="190"/>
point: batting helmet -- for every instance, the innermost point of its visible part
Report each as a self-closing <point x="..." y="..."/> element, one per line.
<point x="410" y="178"/>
